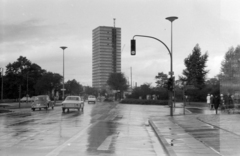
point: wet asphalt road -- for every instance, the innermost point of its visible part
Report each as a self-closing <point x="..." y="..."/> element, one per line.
<point x="102" y="129"/>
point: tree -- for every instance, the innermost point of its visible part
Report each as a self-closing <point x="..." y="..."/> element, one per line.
<point x="195" y="73"/>
<point x="90" y="90"/>
<point x="73" y="87"/>
<point x="142" y="91"/>
<point x="161" y="80"/>
<point x="117" y="81"/>
<point x="230" y="73"/>
<point x="48" y="82"/>
<point x="22" y="73"/>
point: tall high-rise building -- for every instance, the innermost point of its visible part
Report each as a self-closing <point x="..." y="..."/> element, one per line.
<point x="106" y="54"/>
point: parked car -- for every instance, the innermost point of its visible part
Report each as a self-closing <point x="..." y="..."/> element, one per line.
<point x="42" y="101"/>
<point x="92" y="98"/>
<point x="72" y="102"/>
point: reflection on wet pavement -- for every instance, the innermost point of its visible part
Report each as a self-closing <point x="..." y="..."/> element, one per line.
<point x="102" y="129"/>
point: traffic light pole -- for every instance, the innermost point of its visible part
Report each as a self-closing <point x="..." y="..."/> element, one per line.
<point x="171" y="64"/>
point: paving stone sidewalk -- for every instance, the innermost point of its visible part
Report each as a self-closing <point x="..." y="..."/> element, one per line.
<point x="199" y="135"/>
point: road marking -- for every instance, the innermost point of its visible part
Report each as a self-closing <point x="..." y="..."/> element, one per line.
<point x="106" y="143"/>
<point x="58" y="149"/>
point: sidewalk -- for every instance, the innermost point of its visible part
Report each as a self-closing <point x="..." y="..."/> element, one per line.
<point x="199" y="134"/>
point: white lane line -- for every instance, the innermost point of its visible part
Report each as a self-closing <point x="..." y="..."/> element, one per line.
<point x="107" y="142"/>
<point x="58" y="149"/>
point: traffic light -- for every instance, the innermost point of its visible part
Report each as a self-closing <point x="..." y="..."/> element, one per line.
<point x="171" y="83"/>
<point x="133" y="47"/>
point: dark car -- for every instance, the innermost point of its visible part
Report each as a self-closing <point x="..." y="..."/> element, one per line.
<point x="42" y="101"/>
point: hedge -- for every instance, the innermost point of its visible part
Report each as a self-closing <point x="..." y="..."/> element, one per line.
<point x="144" y="102"/>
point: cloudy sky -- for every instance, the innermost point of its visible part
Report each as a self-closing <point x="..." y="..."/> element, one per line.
<point x="36" y="29"/>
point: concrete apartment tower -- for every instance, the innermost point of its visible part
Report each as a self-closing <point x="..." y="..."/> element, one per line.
<point x="106" y="54"/>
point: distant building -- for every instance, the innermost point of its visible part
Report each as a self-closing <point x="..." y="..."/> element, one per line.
<point x="106" y="54"/>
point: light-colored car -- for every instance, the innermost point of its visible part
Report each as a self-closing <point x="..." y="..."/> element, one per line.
<point x="42" y="101"/>
<point x="92" y="98"/>
<point x="72" y="102"/>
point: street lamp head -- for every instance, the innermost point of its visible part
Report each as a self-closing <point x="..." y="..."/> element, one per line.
<point x="172" y="18"/>
<point x="63" y="47"/>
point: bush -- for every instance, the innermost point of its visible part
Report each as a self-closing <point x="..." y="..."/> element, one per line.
<point x="144" y="102"/>
<point x="108" y="100"/>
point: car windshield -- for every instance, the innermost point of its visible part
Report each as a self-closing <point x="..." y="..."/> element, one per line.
<point x="91" y="96"/>
<point x="73" y="98"/>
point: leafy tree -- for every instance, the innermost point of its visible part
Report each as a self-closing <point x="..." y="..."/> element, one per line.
<point x="48" y="82"/>
<point x="22" y="73"/>
<point x="195" y="72"/>
<point x="73" y="87"/>
<point x="90" y="90"/>
<point x="117" y="81"/>
<point x="230" y="73"/>
<point x="161" y="80"/>
<point x="142" y="91"/>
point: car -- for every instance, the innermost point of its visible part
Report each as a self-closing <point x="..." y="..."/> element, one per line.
<point x="92" y="98"/>
<point x="42" y="101"/>
<point x="73" y="102"/>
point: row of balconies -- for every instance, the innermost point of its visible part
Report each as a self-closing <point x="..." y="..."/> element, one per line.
<point x="106" y="58"/>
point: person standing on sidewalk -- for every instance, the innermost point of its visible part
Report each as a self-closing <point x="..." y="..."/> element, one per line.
<point x="216" y="103"/>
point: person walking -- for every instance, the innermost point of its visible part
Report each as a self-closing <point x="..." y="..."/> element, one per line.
<point x="211" y="102"/>
<point x="222" y="103"/>
<point x="208" y="100"/>
<point x="216" y="103"/>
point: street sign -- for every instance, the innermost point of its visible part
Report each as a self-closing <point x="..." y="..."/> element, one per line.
<point x="171" y="73"/>
<point x="63" y="89"/>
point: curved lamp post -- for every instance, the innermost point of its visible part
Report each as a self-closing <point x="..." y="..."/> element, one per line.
<point x="133" y="52"/>
<point x="63" y="48"/>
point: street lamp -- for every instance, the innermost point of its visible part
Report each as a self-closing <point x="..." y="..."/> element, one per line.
<point x="133" y="52"/>
<point x="63" y="48"/>
<point x="171" y="19"/>
<point x="2" y="84"/>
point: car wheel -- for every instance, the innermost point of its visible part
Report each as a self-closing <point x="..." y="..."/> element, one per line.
<point x="63" y="110"/>
<point x="46" y="108"/>
<point x="33" y="109"/>
<point x="39" y="108"/>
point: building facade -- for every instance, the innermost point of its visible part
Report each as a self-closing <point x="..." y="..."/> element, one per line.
<point x="106" y="54"/>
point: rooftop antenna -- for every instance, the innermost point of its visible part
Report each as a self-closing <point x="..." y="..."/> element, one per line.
<point x="114" y="22"/>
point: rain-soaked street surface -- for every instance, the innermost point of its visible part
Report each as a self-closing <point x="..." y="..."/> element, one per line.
<point x="102" y="129"/>
<point x="201" y="132"/>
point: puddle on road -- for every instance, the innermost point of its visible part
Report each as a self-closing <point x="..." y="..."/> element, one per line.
<point x="198" y="110"/>
<point x="24" y="122"/>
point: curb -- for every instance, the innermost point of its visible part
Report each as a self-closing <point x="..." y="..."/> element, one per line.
<point x="167" y="148"/>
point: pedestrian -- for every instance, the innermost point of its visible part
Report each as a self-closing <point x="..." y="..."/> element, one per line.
<point x="222" y="103"/>
<point x="208" y="100"/>
<point x="216" y="103"/>
<point x="211" y="102"/>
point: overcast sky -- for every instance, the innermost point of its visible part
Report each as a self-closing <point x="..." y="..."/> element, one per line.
<point x="36" y="29"/>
